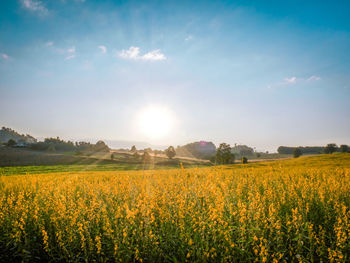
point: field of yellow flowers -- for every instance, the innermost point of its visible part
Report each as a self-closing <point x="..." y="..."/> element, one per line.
<point x="272" y="212"/>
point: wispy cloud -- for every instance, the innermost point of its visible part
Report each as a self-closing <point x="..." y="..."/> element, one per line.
<point x="71" y="50"/>
<point x="286" y="82"/>
<point x="314" y="78"/>
<point x="35" y="6"/>
<point x="49" y="44"/>
<point x="290" y="81"/>
<point x="134" y="53"/>
<point x="4" y="56"/>
<point x="69" y="57"/>
<point x="69" y="53"/>
<point x="103" y="49"/>
<point x="294" y="80"/>
<point x="77" y="1"/>
<point x="188" y="38"/>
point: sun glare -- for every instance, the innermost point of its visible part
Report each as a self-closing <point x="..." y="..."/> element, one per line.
<point x="155" y="122"/>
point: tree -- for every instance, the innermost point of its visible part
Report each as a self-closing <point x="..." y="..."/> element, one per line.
<point x="11" y="143"/>
<point x="244" y="160"/>
<point x="170" y="152"/>
<point x="297" y="152"/>
<point x="224" y="155"/>
<point x="133" y="149"/>
<point x="330" y="148"/>
<point x="112" y="156"/>
<point x="344" y="148"/>
<point x="51" y="147"/>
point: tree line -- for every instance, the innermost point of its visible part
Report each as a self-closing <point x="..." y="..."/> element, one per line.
<point x="329" y="148"/>
<point x="56" y="144"/>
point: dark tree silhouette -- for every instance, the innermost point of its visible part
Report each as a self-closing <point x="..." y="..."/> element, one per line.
<point x="11" y="143"/>
<point x="170" y="152"/>
<point x="224" y="155"/>
<point x="344" y="148"/>
<point x="330" y="148"/>
<point x="297" y="152"/>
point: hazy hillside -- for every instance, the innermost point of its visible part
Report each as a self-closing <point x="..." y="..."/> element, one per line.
<point x="201" y="150"/>
<point x="7" y="134"/>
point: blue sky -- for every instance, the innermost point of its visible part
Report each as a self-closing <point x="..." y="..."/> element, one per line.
<point x="261" y="73"/>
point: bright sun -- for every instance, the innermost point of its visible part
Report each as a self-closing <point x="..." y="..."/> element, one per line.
<point x="155" y="122"/>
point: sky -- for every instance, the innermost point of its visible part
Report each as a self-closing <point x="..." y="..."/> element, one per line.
<point x="260" y="73"/>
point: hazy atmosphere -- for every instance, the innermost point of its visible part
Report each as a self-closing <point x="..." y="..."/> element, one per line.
<point x="174" y="131"/>
<point x="170" y="72"/>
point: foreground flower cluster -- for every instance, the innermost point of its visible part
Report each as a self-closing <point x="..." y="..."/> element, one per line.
<point x="268" y="214"/>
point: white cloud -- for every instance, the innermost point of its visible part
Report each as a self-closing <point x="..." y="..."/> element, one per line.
<point x="4" y="56"/>
<point x="35" y="6"/>
<point x="291" y="80"/>
<point x="103" y="49"/>
<point x="69" y="57"/>
<point x="294" y="80"/>
<point x="134" y="53"/>
<point x="154" y="55"/>
<point x="188" y="38"/>
<point x="49" y="44"/>
<point x="313" y="78"/>
<point x="131" y="53"/>
<point x="285" y="82"/>
<point x="69" y="52"/>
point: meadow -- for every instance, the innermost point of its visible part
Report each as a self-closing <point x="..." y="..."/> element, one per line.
<point x="283" y="211"/>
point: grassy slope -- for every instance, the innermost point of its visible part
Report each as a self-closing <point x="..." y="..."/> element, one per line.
<point x="336" y="160"/>
<point x="21" y="161"/>
<point x="90" y="167"/>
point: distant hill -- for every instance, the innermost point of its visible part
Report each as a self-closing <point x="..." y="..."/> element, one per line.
<point x="7" y="133"/>
<point x="121" y="144"/>
<point x="200" y="150"/>
<point x="304" y="150"/>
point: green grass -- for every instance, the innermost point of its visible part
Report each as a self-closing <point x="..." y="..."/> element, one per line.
<point x="320" y="161"/>
<point x="91" y="167"/>
<point x="335" y="160"/>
